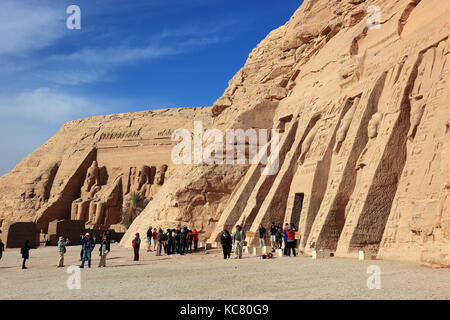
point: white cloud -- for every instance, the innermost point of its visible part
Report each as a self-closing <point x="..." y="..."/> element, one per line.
<point x="47" y="106"/>
<point x="26" y="26"/>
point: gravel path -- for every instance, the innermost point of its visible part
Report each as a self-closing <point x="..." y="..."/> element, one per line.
<point x="208" y="276"/>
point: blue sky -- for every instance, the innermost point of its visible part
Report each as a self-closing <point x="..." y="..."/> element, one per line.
<point x="128" y="56"/>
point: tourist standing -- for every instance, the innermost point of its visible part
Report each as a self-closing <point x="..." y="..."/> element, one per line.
<point x="195" y="238"/>
<point x="189" y="240"/>
<point x="291" y="239"/>
<point x="154" y="234"/>
<point x="149" y="238"/>
<point x="273" y="236"/>
<point x="238" y="239"/>
<point x="183" y="241"/>
<point x="159" y="242"/>
<point x="62" y="250"/>
<point x="2" y="248"/>
<point x="227" y="242"/>
<point x="81" y="252"/>
<point x="105" y="248"/>
<point x="285" y="238"/>
<point x="169" y="242"/>
<point x="176" y="245"/>
<point x="136" y="246"/>
<point x="25" y="251"/>
<point x="279" y="237"/>
<point x="88" y="244"/>
<point x="262" y="236"/>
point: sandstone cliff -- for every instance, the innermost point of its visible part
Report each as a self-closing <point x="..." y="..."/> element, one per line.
<point x="365" y="119"/>
<point x="364" y="150"/>
<point x="89" y="169"/>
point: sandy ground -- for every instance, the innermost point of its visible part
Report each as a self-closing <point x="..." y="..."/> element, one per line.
<point x="208" y="276"/>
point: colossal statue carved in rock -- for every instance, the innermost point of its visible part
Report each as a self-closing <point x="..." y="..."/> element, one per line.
<point x="372" y="133"/>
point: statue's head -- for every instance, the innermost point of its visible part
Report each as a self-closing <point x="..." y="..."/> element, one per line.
<point x="92" y="175"/>
<point x="142" y="176"/>
<point x="160" y="173"/>
<point x="374" y="124"/>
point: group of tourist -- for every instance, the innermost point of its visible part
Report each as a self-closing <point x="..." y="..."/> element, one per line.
<point x="171" y="241"/>
<point x="277" y="235"/>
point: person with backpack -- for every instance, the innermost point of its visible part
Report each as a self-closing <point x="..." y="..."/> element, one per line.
<point x="262" y="236"/>
<point x="136" y="243"/>
<point x="2" y="248"/>
<point x="159" y="242"/>
<point x="189" y="239"/>
<point x="291" y="239"/>
<point x="88" y="245"/>
<point x="105" y="248"/>
<point x="227" y="242"/>
<point x="62" y="250"/>
<point x="25" y="251"/>
<point x="195" y="238"/>
<point x="238" y="240"/>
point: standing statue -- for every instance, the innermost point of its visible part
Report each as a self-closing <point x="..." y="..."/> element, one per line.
<point x="372" y="132"/>
<point x="81" y="208"/>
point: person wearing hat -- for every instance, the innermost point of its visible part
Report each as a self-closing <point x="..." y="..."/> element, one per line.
<point x="88" y="245"/>
<point x="61" y="250"/>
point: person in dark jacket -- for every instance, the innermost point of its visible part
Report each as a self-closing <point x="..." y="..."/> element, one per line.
<point x="2" y="248"/>
<point x="183" y="241"/>
<point x="169" y="242"/>
<point x="136" y="246"/>
<point x="273" y="236"/>
<point x="176" y="242"/>
<point x="88" y="244"/>
<point x="81" y="252"/>
<point x="279" y="237"/>
<point x="227" y="242"/>
<point x="262" y="236"/>
<point x="25" y="251"/>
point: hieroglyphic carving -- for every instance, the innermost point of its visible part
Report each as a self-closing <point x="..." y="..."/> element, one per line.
<point x="120" y="134"/>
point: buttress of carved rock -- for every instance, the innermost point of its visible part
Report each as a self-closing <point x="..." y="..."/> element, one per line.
<point x="372" y="133"/>
<point x="417" y="110"/>
<point x="307" y="143"/>
<point x="345" y="125"/>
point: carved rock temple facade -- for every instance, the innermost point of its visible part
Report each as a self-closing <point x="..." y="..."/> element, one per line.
<point x="364" y="151"/>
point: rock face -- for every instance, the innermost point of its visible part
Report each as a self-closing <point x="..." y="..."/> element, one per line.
<point x="363" y="111"/>
<point x="101" y="170"/>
